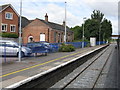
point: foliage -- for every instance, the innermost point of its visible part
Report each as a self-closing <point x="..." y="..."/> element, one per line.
<point x="77" y="32"/>
<point x="106" y="30"/>
<point x="8" y="35"/>
<point x="66" y="48"/>
<point x="93" y="27"/>
<point x="97" y="15"/>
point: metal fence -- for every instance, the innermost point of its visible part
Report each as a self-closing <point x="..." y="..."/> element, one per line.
<point x="55" y="46"/>
<point x="101" y="42"/>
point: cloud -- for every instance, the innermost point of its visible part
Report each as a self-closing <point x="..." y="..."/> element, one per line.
<point x="76" y="10"/>
<point x="107" y="7"/>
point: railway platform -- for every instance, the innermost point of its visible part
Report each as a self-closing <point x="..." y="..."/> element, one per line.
<point x="14" y="74"/>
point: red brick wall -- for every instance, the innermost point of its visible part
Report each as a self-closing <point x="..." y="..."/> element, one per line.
<point x="14" y="21"/>
<point x="36" y="27"/>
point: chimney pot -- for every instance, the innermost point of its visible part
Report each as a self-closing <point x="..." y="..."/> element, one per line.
<point x="46" y="17"/>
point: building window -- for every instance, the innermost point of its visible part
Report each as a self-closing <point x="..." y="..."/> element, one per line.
<point x="62" y="37"/>
<point x="59" y="38"/>
<point x="55" y="34"/>
<point x="12" y="28"/>
<point x="30" y="39"/>
<point x="8" y="15"/>
<point x="4" y="27"/>
<point x="42" y="37"/>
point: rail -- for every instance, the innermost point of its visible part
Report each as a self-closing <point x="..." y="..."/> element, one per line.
<point x="83" y="70"/>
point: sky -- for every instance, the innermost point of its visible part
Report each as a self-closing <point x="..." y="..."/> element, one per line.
<point x="76" y="10"/>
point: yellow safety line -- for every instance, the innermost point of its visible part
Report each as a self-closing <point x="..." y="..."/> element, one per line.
<point x="40" y="64"/>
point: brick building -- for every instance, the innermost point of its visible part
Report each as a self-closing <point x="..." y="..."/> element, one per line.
<point x="43" y="30"/>
<point x="8" y="19"/>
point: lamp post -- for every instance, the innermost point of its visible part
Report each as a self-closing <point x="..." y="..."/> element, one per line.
<point x="83" y="33"/>
<point x="65" y="24"/>
<point x="20" y="36"/>
<point x="99" y="32"/>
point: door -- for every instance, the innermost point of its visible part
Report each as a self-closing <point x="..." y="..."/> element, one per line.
<point x="42" y="37"/>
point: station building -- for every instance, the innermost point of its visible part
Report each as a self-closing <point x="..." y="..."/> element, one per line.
<point x="42" y="30"/>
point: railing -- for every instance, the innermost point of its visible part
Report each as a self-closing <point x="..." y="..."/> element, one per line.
<point x="101" y="42"/>
<point x="55" y="46"/>
<point x="77" y="44"/>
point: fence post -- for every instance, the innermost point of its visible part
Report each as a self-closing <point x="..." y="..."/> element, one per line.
<point x="5" y="52"/>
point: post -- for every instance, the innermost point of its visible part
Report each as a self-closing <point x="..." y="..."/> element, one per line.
<point x="5" y="52"/>
<point x="99" y="33"/>
<point x="83" y="32"/>
<point x="20" y="37"/>
<point x="65" y="25"/>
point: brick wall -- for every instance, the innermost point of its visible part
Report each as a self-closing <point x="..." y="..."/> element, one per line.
<point x="37" y="27"/>
<point x="14" y="21"/>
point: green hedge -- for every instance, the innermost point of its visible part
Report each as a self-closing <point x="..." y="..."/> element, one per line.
<point x="8" y="35"/>
<point x="66" y="48"/>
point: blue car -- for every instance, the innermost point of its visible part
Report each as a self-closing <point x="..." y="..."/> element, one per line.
<point x="38" y="47"/>
<point x="48" y="45"/>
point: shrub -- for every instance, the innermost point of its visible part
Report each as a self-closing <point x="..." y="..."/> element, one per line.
<point x="66" y="48"/>
<point x="8" y="35"/>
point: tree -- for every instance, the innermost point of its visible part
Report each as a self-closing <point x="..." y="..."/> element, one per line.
<point x="97" y="15"/>
<point x="106" y="29"/>
<point x="91" y="28"/>
<point x="94" y="27"/>
<point x="97" y="25"/>
<point x="77" y="32"/>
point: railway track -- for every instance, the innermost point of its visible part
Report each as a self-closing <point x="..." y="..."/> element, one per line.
<point x="78" y="78"/>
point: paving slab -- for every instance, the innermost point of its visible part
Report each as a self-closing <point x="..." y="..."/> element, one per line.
<point x="12" y="81"/>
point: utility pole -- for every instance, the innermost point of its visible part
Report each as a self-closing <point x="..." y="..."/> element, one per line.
<point x="99" y="32"/>
<point x="20" y="36"/>
<point x="83" y="37"/>
<point x="65" y="24"/>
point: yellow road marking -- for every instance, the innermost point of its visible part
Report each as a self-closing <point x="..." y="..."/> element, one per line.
<point x="40" y="64"/>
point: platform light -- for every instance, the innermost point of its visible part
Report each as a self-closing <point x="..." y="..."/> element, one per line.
<point x="20" y="36"/>
<point x="83" y="37"/>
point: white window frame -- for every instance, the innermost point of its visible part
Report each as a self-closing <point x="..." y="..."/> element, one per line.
<point x="1" y="27"/>
<point x="10" y="17"/>
<point x="11" y="26"/>
<point x="41" y="37"/>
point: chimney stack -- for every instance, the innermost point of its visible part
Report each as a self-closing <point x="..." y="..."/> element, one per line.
<point x="46" y="17"/>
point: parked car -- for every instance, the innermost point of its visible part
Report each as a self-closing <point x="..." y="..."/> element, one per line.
<point x="11" y="48"/>
<point x="38" y="47"/>
<point x="48" y="45"/>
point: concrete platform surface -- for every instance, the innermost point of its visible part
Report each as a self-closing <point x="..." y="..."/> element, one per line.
<point x="14" y="71"/>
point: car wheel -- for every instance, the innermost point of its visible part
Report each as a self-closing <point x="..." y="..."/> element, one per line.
<point x="22" y="54"/>
<point x="45" y="54"/>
